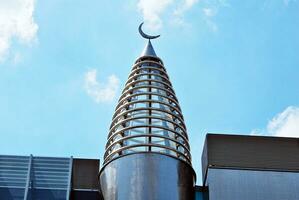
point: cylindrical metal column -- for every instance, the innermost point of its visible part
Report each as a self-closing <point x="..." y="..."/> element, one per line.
<point x="147" y="176"/>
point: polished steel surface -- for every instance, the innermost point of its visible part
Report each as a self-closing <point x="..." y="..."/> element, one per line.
<point x="147" y="176"/>
<point x="148" y="50"/>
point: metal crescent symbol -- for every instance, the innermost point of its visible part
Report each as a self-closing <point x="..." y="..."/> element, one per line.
<point x="150" y="37"/>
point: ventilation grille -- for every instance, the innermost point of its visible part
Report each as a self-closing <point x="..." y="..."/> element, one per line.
<point x="13" y="171"/>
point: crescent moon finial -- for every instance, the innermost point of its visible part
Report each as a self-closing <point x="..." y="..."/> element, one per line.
<point x="150" y="37"/>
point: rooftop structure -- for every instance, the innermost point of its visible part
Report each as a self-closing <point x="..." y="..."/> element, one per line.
<point x="251" y="167"/>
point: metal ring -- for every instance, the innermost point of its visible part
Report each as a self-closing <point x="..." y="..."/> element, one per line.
<point x="113" y="125"/>
<point x="152" y="126"/>
<point x="149" y="59"/>
<point x="146" y="93"/>
<point x="144" y="136"/>
<point x="147" y="145"/>
<point x="148" y="68"/>
<point x="147" y="101"/>
<point x="156" y="109"/>
<point x="145" y="80"/>
<point x="147" y="74"/>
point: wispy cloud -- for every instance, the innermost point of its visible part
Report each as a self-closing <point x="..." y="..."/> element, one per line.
<point x="210" y="10"/>
<point x="284" y="124"/>
<point x="209" y="13"/>
<point x="287" y="2"/>
<point x="181" y="9"/>
<point x="100" y="92"/>
<point x="153" y="10"/>
<point x="16" y="22"/>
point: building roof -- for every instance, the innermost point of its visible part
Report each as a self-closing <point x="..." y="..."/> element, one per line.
<point x="250" y="152"/>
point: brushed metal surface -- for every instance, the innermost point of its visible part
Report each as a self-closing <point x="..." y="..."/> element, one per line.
<point x="147" y="176"/>
<point x="228" y="184"/>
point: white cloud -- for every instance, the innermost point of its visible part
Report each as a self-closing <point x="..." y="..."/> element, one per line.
<point x="16" y="22"/>
<point x="184" y="6"/>
<point x="209" y="13"/>
<point x="152" y="11"/>
<point x="284" y="124"/>
<point x="98" y="91"/>
<point x="181" y="8"/>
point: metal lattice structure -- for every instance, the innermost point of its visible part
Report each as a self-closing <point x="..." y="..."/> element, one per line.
<point x="147" y="149"/>
<point x="148" y="117"/>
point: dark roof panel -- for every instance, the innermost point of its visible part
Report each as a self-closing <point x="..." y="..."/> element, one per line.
<point x="250" y="152"/>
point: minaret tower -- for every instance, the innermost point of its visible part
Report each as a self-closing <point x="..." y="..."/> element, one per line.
<point x="147" y="153"/>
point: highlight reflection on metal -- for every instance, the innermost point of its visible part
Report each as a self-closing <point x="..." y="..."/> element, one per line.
<point x="147" y="176"/>
<point x="148" y="117"/>
<point x="146" y="35"/>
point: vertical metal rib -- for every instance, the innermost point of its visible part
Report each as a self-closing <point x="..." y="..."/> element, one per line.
<point x="28" y="180"/>
<point x="69" y="187"/>
<point x="148" y="117"/>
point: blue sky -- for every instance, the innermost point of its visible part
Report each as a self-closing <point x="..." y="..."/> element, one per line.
<point x="234" y="66"/>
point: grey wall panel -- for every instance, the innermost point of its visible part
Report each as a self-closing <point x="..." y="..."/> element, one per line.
<point x="85" y="174"/>
<point x="251" y="152"/>
<point x="227" y="184"/>
<point x="204" y="160"/>
<point x="201" y="193"/>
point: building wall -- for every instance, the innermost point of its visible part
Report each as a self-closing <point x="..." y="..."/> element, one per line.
<point x="250" y="152"/>
<point x="230" y="184"/>
<point x="48" y="178"/>
<point x="201" y="193"/>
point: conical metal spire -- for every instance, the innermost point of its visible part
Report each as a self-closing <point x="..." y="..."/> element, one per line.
<point x="148" y="50"/>
<point x="147" y="152"/>
<point x="148" y="117"/>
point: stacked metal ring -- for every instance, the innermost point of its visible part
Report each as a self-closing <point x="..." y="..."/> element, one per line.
<point x="148" y="117"/>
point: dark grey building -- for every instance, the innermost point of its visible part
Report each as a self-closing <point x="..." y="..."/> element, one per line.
<point x="238" y="167"/>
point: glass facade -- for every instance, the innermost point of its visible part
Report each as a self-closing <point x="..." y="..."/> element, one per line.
<point x="34" y="178"/>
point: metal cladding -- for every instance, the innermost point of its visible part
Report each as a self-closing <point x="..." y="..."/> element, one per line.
<point x="250" y="152"/>
<point x="147" y="152"/>
<point x="147" y="176"/>
<point x="148" y="50"/>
